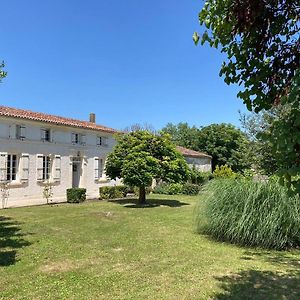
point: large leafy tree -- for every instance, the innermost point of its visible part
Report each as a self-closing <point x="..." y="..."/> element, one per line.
<point x="140" y="156"/>
<point x="261" y="40"/>
<point x="183" y="135"/>
<point x="226" y="144"/>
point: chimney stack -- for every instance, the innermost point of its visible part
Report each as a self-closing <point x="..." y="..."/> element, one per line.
<point x="92" y="118"/>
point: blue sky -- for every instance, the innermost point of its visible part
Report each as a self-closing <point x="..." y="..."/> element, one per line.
<point x="128" y="61"/>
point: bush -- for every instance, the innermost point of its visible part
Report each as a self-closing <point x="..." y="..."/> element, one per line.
<point x="76" y="195"/>
<point x="199" y="177"/>
<point x="224" y="172"/>
<point x="250" y="213"/>
<point x="174" y="188"/>
<point x="113" y="192"/>
<point x="168" y="188"/>
<point x="191" y="189"/>
<point x="161" y="188"/>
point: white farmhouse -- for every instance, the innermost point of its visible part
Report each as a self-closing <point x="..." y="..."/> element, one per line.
<point x="37" y="148"/>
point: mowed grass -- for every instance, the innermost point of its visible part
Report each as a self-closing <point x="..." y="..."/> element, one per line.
<point x="118" y="250"/>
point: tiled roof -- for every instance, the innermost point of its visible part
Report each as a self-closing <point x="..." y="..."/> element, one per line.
<point x="41" y="117"/>
<point x="191" y="153"/>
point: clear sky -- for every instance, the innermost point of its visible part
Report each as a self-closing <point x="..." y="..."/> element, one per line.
<point x="130" y="61"/>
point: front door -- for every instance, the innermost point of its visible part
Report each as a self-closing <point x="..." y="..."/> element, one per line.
<point x="76" y="172"/>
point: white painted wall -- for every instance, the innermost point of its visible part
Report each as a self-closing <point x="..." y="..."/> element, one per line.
<point x="200" y="163"/>
<point x="29" y="192"/>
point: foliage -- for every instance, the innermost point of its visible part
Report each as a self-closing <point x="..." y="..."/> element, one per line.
<point x="284" y="137"/>
<point x="113" y="192"/>
<point x="261" y="40"/>
<point x="200" y="177"/>
<point x="257" y="127"/>
<point x="139" y="157"/>
<point x="250" y="213"/>
<point x="161" y="188"/>
<point x="76" y="195"/>
<point x="227" y="145"/>
<point x="140" y="127"/>
<point x="191" y="189"/>
<point x="3" y="74"/>
<point x="47" y="191"/>
<point x="224" y="172"/>
<point x="183" y="135"/>
<point x="174" y="188"/>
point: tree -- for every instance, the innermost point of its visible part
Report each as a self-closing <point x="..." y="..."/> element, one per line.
<point x="2" y="73"/>
<point x="183" y="135"/>
<point x="140" y="156"/>
<point x="256" y="127"/>
<point x="261" y="40"/>
<point x="226" y="144"/>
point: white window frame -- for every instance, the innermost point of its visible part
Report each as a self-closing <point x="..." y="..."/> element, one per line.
<point x="11" y="175"/>
<point x="44" y="167"/>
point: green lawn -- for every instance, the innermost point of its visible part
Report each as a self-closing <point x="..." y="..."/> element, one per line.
<point x="117" y="250"/>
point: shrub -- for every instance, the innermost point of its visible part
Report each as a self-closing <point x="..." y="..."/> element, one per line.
<point x="76" y="195"/>
<point x="250" y="213"/>
<point x="161" y="188"/>
<point x="199" y="177"/>
<point x="224" y="172"/>
<point x="174" y="188"/>
<point x="191" y="189"/>
<point x="113" y="192"/>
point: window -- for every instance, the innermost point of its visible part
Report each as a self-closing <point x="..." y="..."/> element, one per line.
<point x="78" y="139"/>
<point x="45" y="135"/>
<point x="20" y="132"/>
<point x="43" y="167"/>
<point x="98" y="168"/>
<point x="75" y="138"/>
<point x="11" y="167"/>
<point x="99" y="140"/>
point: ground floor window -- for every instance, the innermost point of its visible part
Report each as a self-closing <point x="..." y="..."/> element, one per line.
<point x="11" y="167"/>
<point x="46" y="167"/>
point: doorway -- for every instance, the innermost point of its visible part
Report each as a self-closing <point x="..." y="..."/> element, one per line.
<point x="76" y="171"/>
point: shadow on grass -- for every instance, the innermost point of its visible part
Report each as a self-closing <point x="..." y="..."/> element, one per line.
<point x="280" y="258"/>
<point x="11" y="239"/>
<point x="260" y="285"/>
<point x="150" y="203"/>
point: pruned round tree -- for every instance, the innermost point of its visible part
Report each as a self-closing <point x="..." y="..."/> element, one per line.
<point x="139" y="157"/>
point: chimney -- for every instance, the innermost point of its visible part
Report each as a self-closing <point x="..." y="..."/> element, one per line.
<point x="92" y="118"/>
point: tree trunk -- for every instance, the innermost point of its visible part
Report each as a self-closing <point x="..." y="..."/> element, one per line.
<point x="142" y="195"/>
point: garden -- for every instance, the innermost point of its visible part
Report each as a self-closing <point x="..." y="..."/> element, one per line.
<point x="117" y="249"/>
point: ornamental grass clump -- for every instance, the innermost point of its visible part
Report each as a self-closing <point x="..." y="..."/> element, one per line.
<point x="250" y="213"/>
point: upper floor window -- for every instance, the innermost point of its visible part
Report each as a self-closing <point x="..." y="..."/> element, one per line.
<point x="78" y="139"/>
<point x="45" y="135"/>
<point x="20" y="132"/>
<point x="99" y="140"/>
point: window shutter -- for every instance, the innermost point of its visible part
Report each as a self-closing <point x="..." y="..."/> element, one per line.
<point x="3" y="166"/>
<point x="83" y="139"/>
<point x="39" y="167"/>
<point x="73" y="138"/>
<point x="57" y="168"/>
<point x="96" y="168"/>
<point x="25" y="167"/>
<point x="22" y="132"/>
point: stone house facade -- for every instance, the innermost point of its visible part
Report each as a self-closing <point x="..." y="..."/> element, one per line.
<point x="195" y="159"/>
<point x="37" y="149"/>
